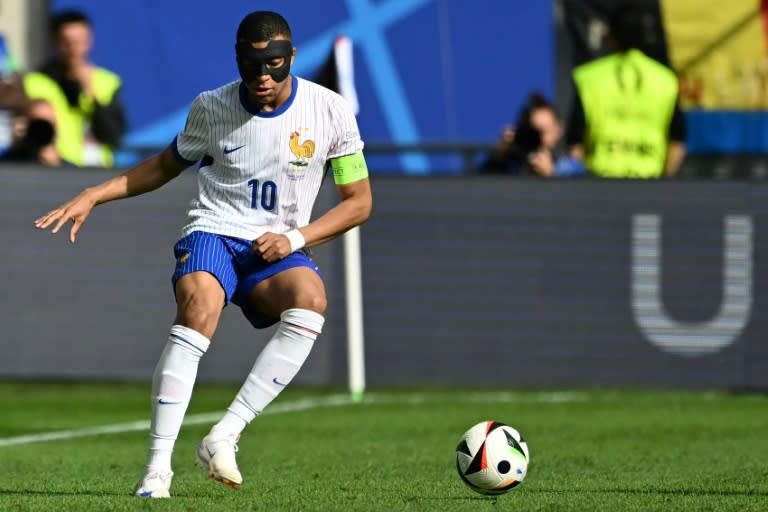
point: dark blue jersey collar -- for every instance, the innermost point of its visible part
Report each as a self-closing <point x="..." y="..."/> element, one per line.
<point x="252" y="109"/>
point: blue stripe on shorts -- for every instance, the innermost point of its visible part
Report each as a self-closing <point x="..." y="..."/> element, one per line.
<point x="237" y="268"/>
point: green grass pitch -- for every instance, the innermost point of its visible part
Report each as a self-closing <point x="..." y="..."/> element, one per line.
<point x="313" y="450"/>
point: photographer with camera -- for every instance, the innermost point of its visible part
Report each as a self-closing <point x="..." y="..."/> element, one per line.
<point x="531" y="147"/>
<point x="36" y="140"/>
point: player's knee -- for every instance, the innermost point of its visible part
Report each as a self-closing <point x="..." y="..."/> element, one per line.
<point x="316" y="302"/>
<point x="199" y="313"/>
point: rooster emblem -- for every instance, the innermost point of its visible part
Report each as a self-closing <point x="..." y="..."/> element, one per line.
<point x="303" y="151"/>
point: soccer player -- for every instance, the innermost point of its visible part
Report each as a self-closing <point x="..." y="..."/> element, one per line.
<point x="263" y="144"/>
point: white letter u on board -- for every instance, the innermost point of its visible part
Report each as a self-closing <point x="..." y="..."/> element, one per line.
<point x="691" y="338"/>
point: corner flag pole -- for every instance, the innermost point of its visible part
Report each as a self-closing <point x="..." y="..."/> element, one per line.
<point x="345" y="82"/>
<point x="354" y="292"/>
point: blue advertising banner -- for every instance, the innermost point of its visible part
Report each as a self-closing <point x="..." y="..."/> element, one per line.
<point x="425" y="70"/>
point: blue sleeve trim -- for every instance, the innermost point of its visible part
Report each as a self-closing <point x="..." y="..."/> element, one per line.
<point x="177" y="155"/>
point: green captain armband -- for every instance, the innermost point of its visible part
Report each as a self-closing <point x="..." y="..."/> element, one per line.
<point x="349" y="168"/>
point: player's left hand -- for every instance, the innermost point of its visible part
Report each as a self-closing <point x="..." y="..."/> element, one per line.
<point x="272" y="246"/>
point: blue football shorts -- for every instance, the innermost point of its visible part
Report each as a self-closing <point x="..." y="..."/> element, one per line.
<point x="235" y="265"/>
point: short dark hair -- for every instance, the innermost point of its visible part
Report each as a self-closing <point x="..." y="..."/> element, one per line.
<point x="262" y="26"/>
<point x="527" y="136"/>
<point x="65" y="17"/>
<point x="626" y="24"/>
<point x="535" y="101"/>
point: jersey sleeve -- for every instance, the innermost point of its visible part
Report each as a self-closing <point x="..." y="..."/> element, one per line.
<point x="191" y="143"/>
<point x="346" y="134"/>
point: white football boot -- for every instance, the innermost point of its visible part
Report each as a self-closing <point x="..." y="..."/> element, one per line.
<point x="154" y="485"/>
<point x="216" y="454"/>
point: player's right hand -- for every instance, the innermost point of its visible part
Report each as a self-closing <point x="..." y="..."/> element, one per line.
<point x="272" y="246"/>
<point x="75" y="210"/>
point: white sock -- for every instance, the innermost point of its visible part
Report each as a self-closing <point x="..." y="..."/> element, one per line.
<point x="172" y="385"/>
<point x="276" y="366"/>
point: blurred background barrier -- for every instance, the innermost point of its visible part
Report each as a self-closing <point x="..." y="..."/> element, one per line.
<point x="718" y="166"/>
<point x="419" y="96"/>
<point x="411" y="63"/>
<point x="466" y="281"/>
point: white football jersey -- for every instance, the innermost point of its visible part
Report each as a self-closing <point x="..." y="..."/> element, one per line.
<point x="261" y="171"/>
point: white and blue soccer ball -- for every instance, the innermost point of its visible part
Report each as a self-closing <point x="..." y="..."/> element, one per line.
<point x="492" y="458"/>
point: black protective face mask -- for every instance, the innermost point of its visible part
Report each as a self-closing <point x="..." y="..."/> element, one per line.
<point x="252" y="62"/>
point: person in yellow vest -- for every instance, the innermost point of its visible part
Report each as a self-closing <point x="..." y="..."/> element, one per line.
<point x="626" y="120"/>
<point x="35" y="140"/>
<point x="85" y="97"/>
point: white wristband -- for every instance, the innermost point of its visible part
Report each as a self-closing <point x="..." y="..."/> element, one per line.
<point x="296" y="239"/>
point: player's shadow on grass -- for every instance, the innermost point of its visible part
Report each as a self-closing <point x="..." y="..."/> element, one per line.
<point x="31" y="492"/>
<point x="416" y="499"/>
<point x="672" y="492"/>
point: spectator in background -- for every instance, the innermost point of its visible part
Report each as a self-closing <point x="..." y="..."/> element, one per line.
<point x="626" y="120"/>
<point x="532" y="146"/>
<point x="36" y="135"/>
<point x="13" y="101"/>
<point x="85" y="97"/>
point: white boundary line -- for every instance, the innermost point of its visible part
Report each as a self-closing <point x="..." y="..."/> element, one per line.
<point x="305" y="404"/>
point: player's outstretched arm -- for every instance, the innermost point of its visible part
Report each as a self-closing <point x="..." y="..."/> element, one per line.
<point x="149" y="175"/>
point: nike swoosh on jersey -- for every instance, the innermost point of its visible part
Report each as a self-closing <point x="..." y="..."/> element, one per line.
<point x="232" y="150"/>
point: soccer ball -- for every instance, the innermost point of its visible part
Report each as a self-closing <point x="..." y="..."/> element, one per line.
<point x="492" y="458"/>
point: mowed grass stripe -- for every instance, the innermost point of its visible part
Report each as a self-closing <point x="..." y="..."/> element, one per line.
<point x="305" y="404"/>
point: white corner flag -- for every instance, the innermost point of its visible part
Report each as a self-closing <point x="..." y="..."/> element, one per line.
<point x="345" y="71"/>
<point x="338" y="74"/>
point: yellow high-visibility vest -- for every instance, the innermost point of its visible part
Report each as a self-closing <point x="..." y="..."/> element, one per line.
<point x="629" y="100"/>
<point x="72" y="123"/>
